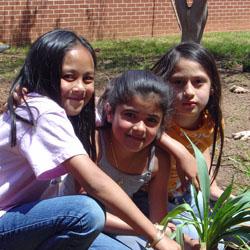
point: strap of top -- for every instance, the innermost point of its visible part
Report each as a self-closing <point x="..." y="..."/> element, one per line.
<point x="151" y="160"/>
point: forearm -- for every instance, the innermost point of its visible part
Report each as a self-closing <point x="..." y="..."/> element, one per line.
<point x="215" y="190"/>
<point x="185" y="162"/>
<point x="117" y="226"/>
<point x="174" y="147"/>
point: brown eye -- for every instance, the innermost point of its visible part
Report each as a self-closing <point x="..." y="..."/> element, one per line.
<point x="129" y="115"/>
<point x="177" y="81"/>
<point x="88" y="79"/>
<point x="68" y="77"/>
<point x="198" y="81"/>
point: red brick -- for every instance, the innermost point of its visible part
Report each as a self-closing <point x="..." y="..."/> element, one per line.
<point x="113" y="19"/>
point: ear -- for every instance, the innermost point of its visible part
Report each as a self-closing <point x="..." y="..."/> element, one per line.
<point x="109" y="112"/>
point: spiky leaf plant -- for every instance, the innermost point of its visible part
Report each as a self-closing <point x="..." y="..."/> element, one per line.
<point x="228" y="221"/>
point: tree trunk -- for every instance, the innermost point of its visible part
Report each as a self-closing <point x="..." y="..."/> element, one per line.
<point x="192" y="19"/>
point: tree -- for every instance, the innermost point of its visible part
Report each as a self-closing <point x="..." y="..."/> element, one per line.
<point x="191" y="19"/>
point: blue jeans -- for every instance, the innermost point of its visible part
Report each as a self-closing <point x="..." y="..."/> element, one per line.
<point x="106" y="242"/>
<point x="188" y="197"/>
<point x="66" y="222"/>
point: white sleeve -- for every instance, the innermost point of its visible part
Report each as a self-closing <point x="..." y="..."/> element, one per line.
<point x="50" y="142"/>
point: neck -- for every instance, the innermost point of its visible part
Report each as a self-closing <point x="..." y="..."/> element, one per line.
<point x="187" y="122"/>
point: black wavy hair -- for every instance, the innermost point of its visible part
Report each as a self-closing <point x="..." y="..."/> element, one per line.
<point x="41" y="73"/>
<point x="197" y="53"/>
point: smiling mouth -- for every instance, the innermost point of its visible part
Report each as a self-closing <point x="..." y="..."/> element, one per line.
<point x="76" y="98"/>
<point x="140" y="139"/>
<point x="189" y="103"/>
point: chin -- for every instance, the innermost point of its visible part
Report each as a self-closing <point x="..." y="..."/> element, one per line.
<point x="73" y="112"/>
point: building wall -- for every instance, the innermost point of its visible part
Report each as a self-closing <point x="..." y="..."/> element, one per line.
<point x="23" y="21"/>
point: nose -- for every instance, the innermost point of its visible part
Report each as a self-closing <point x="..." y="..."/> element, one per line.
<point x="139" y="128"/>
<point x="188" y="89"/>
<point x="79" y="86"/>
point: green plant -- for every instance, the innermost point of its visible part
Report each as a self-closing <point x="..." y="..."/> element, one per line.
<point x="226" y="221"/>
<point x="246" y="63"/>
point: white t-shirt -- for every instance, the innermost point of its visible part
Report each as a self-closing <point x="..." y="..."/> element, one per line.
<point x="27" y="168"/>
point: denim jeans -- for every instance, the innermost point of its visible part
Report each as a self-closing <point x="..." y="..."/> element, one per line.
<point x="67" y="222"/>
<point x="106" y="242"/>
<point x="188" y="197"/>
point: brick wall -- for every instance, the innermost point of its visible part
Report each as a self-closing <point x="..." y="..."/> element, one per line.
<point x="22" y="21"/>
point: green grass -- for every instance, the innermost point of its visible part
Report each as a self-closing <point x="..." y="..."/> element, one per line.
<point x="119" y="55"/>
<point x="134" y="53"/>
<point x="232" y="47"/>
<point x="11" y="61"/>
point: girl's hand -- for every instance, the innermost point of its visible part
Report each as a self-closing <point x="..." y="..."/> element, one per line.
<point x="18" y="95"/>
<point x="191" y="244"/>
<point x="167" y="244"/>
<point x="187" y="171"/>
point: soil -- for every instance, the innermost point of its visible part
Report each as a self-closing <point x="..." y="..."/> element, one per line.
<point x="236" y="111"/>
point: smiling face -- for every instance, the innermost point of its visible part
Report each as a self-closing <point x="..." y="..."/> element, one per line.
<point x="135" y="124"/>
<point x="77" y="80"/>
<point x="192" y="88"/>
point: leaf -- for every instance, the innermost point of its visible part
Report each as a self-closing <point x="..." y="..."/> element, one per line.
<point x="176" y="211"/>
<point x="193" y="189"/>
<point x="179" y="235"/>
<point x="204" y="185"/>
<point x="202" y="172"/>
<point x="225" y="195"/>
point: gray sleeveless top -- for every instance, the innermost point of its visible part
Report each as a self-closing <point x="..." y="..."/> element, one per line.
<point x="130" y="183"/>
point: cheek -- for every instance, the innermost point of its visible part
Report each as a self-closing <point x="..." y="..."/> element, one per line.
<point x="154" y="132"/>
<point x="119" y="125"/>
<point x="205" y="95"/>
<point x="63" y="88"/>
<point x="90" y="89"/>
<point x="89" y="92"/>
<point x="177" y="98"/>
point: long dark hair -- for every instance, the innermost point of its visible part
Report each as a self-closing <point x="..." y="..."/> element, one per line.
<point x="41" y="73"/>
<point x="132" y="83"/>
<point x="195" y="52"/>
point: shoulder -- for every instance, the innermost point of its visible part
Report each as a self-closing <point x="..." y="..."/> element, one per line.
<point x="39" y="105"/>
<point x="44" y="104"/>
<point x="162" y="158"/>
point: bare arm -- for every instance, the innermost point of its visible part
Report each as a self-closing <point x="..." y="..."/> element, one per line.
<point x="215" y="190"/>
<point x="102" y="187"/>
<point x="185" y="161"/>
<point x="117" y="226"/>
<point x="158" y="197"/>
<point x="158" y="187"/>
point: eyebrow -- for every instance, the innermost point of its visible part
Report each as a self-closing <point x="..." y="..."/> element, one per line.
<point x="135" y="111"/>
<point x="154" y="116"/>
<point x="68" y="70"/>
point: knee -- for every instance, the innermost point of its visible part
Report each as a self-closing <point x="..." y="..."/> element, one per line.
<point x="96" y="215"/>
<point x="92" y="214"/>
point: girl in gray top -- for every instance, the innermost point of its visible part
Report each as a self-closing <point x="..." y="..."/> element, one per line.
<point x="133" y="109"/>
